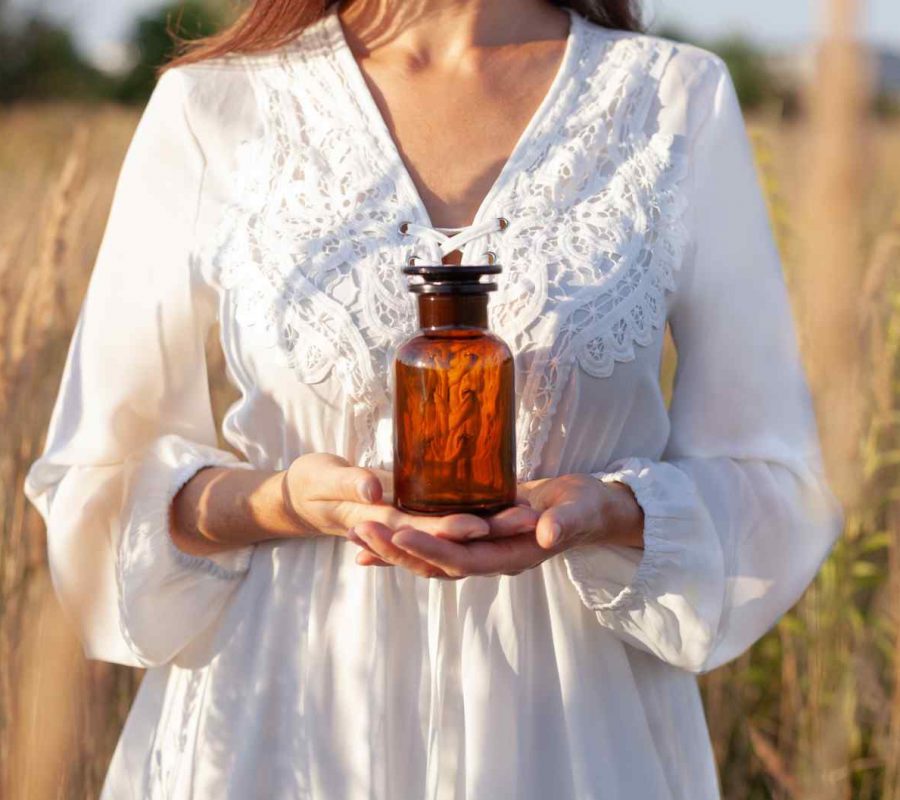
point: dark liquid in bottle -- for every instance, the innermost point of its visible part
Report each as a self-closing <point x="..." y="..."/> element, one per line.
<point x="454" y="411"/>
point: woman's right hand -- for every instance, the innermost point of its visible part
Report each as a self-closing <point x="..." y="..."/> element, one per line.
<point x="324" y="494"/>
<point x="222" y="508"/>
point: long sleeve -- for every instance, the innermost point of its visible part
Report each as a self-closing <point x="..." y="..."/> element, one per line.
<point x="132" y="421"/>
<point x="738" y="517"/>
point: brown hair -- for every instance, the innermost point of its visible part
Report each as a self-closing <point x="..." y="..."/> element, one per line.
<point x="267" y="24"/>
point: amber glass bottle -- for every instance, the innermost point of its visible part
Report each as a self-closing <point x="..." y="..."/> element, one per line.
<point x="454" y="389"/>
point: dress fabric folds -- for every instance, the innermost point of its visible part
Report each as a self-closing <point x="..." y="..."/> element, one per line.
<point x="264" y="193"/>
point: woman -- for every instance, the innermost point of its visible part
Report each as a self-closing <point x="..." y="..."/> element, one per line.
<point x="280" y="177"/>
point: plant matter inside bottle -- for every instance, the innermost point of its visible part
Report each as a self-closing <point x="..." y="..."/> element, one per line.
<point x="454" y="426"/>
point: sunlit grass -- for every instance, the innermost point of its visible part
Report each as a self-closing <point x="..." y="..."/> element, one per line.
<point x="812" y="711"/>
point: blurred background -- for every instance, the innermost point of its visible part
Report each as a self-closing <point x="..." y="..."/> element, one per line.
<point x="813" y="711"/>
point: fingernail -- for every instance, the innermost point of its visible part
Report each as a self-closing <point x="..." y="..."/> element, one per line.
<point x="366" y="491"/>
<point x="555" y="533"/>
<point x="478" y="534"/>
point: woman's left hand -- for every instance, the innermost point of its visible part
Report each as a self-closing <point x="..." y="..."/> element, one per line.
<point x="569" y="511"/>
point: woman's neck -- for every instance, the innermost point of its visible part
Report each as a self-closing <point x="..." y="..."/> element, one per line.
<point x="429" y="32"/>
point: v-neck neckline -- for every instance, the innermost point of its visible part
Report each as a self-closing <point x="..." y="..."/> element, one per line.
<point x="378" y="126"/>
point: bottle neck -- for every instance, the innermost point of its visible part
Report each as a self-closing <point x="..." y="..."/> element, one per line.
<point x="453" y="311"/>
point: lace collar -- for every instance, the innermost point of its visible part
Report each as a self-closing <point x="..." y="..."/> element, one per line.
<point x="332" y="37"/>
<point x="311" y="246"/>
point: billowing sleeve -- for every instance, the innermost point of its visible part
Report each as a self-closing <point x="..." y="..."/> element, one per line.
<point x="738" y="516"/>
<point x="132" y="421"/>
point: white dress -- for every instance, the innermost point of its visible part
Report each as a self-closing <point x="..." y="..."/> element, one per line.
<point x="266" y="193"/>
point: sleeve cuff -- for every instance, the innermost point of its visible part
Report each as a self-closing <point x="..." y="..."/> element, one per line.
<point x="167" y="597"/>
<point x="667" y="598"/>
<point x="228" y="564"/>
<point x="609" y="578"/>
<point x="159" y="476"/>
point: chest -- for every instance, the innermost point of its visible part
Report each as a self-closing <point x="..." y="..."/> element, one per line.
<point x="454" y="128"/>
<point x="311" y="243"/>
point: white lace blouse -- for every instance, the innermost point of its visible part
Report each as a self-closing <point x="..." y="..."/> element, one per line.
<point x="266" y="193"/>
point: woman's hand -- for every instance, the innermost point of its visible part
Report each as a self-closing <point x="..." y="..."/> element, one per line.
<point x="580" y="509"/>
<point x="223" y="508"/>
<point x="570" y="511"/>
<point x="325" y="494"/>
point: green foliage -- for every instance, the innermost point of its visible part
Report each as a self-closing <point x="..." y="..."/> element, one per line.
<point x="746" y="63"/>
<point x="39" y="62"/>
<point x="887" y="106"/>
<point x="155" y="39"/>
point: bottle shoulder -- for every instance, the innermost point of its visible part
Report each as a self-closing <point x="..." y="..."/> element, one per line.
<point x="453" y="334"/>
<point x="424" y="345"/>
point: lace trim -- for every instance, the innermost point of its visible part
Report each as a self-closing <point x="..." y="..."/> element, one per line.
<point x="310" y="252"/>
<point x="614" y="206"/>
<point x="599" y="325"/>
<point x="146" y="540"/>
<point x="290" y="226"/>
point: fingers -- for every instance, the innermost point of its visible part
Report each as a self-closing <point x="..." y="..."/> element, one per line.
<point x="509" y="555"/>
<point x="549" y="516"/>
<point x="328" y="477"/>
<point x="453" y="526"/>
<point x="432" y="556"/>
<point x="367" y="556"/>
<point x="387" y="482"/>
<point x="559" y="523"/>
<point x="450" y="557"/>
<point x="542" y="494"/>
<point x="513" y="521"/>
<point x="378" y="539"/>
<point x="525" y="492"/>
<point x="570" y="507"/>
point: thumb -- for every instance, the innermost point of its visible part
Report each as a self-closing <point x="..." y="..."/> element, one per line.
<point x="330" y="477"/>
<point x="558" y="525"/>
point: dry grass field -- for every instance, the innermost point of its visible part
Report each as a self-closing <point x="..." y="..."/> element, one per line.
<point x="812" y="711"/>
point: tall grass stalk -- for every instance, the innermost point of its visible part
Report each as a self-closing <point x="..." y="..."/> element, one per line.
<point x="830" y="284"/>
<point x="59" y="715"/>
